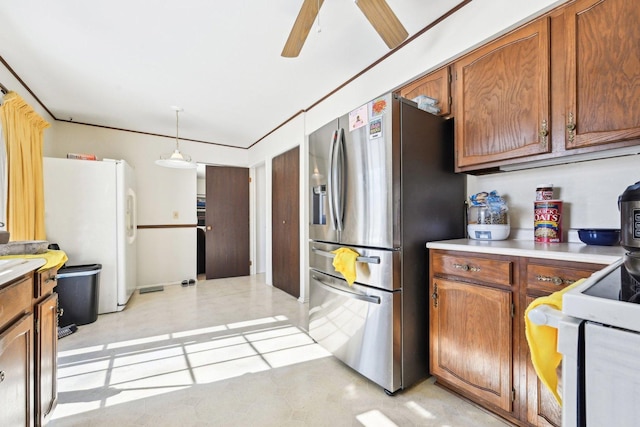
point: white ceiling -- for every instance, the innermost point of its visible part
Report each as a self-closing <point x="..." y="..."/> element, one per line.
<point x="124" y="63"/>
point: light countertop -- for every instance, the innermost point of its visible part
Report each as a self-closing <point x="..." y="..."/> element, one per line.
<point x="13" y="268"/>
<point x="576" y="252"/>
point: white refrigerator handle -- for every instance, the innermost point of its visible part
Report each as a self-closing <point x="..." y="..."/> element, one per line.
<point x="132" y="216"/>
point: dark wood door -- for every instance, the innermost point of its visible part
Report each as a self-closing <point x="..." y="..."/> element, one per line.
<point x="227" y="222"/>
<point x="285" y="243"/>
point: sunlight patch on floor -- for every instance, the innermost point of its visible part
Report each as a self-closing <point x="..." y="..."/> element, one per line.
<point x="420" y="411"/>
<point x="135" y="369"/>
<point x="375" y="418"/>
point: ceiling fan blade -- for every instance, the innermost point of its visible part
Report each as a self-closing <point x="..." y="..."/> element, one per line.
<point x="384" y="21"/>
<point x="301" y="27"/>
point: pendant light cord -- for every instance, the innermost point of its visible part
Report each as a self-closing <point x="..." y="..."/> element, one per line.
<point x="177" y="127"/>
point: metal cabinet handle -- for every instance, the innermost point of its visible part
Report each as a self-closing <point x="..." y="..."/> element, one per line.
<point x="571" y="128"/>
<point x="544" y="133"/>
<point x="466" y="267"/>
<point x="1" y="376"/>
<point x="434" y="295"/>
<point x="556" y="280"/>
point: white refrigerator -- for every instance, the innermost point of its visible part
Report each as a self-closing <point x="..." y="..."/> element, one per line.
<point x="90" y="212"/>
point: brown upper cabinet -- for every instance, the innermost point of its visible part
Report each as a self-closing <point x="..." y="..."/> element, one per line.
<point x="566" y="83"/>
<point x="434" y="85"/>
<point x="602" y="72"/>
<point x="502" y="102"/>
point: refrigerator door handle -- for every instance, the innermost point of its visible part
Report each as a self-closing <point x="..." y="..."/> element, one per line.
<point x="365" y="259"/>
<point x="331" y="179"/>
<point x="132" y="217"/>
<point x="340" y="180"/>
<point x="326" y="286"/>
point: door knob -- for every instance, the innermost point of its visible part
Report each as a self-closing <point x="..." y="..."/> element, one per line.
<point x="208" y="228"/>
<point x="284" y="222"/>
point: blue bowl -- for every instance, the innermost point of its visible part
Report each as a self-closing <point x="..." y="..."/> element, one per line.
<point x="600" y="236"/>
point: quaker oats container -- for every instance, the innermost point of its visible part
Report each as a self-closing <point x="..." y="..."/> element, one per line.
<point x="547" y="221"/>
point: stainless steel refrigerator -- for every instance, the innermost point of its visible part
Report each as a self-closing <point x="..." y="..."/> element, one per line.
<point x="381" y="183"/>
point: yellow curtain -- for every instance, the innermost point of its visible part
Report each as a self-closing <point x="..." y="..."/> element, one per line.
<point x="23" y="131"/>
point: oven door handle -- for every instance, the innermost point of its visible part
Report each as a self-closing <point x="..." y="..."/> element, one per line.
<point x="367" y="298"/>
<point x="545" y="315"/>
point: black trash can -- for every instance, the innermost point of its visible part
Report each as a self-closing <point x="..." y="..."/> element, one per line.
<point x="78" y="291"/>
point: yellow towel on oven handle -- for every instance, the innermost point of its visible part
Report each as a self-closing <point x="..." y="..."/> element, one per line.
<point x="345" y="262"/>
<point x="543" y="341"/>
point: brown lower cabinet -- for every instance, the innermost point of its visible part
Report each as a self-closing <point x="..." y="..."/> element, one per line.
<point x="28" y="349"/>
<point x="477" y="341"/>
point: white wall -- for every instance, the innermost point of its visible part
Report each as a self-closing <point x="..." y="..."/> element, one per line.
<point x="165" y="255"/>
<point x="260" y="227"/>
<point x="288" y="136"/>
<point x="589" y="191"/>
<point x="201" y="186"/>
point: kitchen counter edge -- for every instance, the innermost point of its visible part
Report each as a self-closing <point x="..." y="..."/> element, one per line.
<point x="577" y="252"/>
<point x="21" y="267"/>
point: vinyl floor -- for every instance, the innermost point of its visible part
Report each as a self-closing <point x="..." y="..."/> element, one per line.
<point x="228" y="352"/>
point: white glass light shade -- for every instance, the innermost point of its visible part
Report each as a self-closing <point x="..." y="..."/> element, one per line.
<point x="176" y="160"/>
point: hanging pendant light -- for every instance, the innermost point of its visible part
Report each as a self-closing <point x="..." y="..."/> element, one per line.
<point x="176" y="159"/>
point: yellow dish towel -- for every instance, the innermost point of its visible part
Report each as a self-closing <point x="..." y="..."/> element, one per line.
<point x="53" y="258"/>
<point x="543" y="341"/>
<point x="345" y="262"/>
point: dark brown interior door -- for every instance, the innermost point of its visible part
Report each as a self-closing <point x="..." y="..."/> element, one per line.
<point x="227" y="222"/>
<point x="286" y="222"/>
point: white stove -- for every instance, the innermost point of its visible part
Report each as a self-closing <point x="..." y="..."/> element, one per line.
<point x="599" y="337"/>
<point x="610" y="296"/>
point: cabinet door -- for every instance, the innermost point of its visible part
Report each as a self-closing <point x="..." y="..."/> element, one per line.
<point x="16" y="373"/>
<point x="502" y="98"/>
<point x="46" y="347"/>
<point x="603" y="72"/>
<point x="544" y="278"/>
<point x="470" y="340"/>
<point x="434" y="85"/>
<point x="542" y="407"/>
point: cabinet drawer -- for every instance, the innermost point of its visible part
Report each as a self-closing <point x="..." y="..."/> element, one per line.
<point x="495" y="271"/>
<point x="550" y="278"/>
<point x="45" y="282"/>
<point x="15" y="299"/>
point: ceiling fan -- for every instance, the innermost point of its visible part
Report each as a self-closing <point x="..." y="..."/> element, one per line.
<point x="377" y="12"/>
